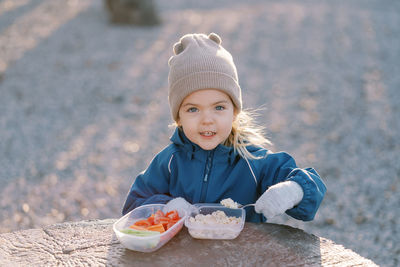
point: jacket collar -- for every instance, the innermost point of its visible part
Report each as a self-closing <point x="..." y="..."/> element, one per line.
<point x="221" y="153"/>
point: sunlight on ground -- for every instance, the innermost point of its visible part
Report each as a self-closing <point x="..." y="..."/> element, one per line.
<point x="41" y="22"/>
<point x="10" y="5"/>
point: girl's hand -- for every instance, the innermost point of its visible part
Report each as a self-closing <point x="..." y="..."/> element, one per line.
<point x="279" y="198"/>
<point x="180" y="204"/>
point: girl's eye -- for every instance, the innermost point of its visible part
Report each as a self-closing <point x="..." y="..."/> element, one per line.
<point x="192" y="109"/>
<point x="219" y="108"/>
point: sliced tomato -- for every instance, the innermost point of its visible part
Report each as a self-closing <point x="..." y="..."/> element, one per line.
<point x="161" y="220"/>
<point x="151" y="219"/>
<point x="173" y="215"/>
<point x="157" y="216"/>
<point x="159" y="213"/>
<point x="156" y="220"/>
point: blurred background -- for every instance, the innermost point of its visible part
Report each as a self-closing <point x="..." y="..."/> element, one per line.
<point x="83" y="104"/>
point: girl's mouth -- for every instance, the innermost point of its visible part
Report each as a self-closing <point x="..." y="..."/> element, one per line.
<point x="207" y="133"/>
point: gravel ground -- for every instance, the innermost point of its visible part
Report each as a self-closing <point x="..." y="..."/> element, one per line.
<point x="83" y="105"/>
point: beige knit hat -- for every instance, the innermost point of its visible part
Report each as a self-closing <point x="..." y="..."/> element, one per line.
<point x="200" y="62"/>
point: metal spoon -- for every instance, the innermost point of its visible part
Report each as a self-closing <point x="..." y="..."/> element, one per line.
<point x="240" y="206"/>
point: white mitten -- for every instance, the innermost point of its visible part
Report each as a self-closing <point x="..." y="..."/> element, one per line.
<point x="279" y="198"/>
<point x="181" y="205"/>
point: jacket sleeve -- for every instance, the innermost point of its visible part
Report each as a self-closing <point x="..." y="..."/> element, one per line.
<point x="150" y="186"/>
<point x="282" y="167"/>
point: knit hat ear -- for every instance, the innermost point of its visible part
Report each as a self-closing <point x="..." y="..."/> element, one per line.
<point x="178" y="48"/>
<point x="215" y="38"/>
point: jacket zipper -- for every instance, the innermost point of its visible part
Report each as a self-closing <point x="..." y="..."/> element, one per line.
<point x="206" y="176"/>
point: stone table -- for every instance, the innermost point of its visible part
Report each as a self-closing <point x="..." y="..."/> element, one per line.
<point x="93" y="243"/>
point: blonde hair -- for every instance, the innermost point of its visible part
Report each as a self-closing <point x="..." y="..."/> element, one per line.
<point x="246" y="132"/>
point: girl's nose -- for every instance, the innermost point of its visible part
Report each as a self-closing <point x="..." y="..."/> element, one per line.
<point x="207" y="118"/>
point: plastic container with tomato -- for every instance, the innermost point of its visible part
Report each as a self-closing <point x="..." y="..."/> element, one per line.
<point x="145" y="243"/>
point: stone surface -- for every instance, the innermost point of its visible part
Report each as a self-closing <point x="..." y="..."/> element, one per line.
<point x="93" y="243"/>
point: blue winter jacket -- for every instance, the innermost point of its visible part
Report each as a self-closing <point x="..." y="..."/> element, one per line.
<point x="183" y="169"/>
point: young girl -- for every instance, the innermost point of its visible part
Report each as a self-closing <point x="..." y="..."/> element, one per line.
<point x="216" y="151"/>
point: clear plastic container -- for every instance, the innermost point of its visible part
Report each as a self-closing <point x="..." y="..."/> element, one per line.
<point x="215" y="231"/>
<point x="145" y="243"/>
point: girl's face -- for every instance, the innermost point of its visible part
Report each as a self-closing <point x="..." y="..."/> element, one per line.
<point x="206" y="117"/>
